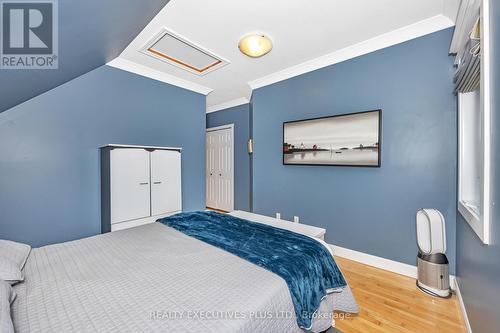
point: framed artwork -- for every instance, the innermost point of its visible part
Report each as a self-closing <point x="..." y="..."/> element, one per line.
<point x="344" y="140"/>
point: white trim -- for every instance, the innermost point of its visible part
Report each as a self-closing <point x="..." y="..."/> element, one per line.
<point x="371" y="260"/>
<point x="218" y="128"/>
<point x="453" y="282"/>
<point x="486" y="108"/>
<point x="154" y="74"/>
<point x="144" y="147"/>
<point x="462" y="307"/>
<point x="471" y="217"/>
<point x="415" y="30"/>
<point x="474" y="220"/>
<point x="382" y="263"/>
<point x="480" y="224"/>
<point x="134" y="223"/>
<point x="228" y="104"/>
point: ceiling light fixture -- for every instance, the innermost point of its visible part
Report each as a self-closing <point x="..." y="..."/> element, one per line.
<point x="255" y="45"/>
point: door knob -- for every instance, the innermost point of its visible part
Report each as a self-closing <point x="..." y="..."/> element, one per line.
<point x="220" y="174"/>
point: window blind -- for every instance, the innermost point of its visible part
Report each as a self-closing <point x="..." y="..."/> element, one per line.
<point x="468" y="74"/>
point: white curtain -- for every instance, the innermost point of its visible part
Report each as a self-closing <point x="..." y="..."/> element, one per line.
<point x="468" y="74"/>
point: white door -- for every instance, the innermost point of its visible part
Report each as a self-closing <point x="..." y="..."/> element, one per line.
<point x="220" y="173"/>
<point x="130" y="196"/>
<point x="210" y="170"/>
<point x="165" y="181"/>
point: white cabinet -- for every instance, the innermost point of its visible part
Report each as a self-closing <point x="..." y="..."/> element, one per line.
<point x="139" y="185"/>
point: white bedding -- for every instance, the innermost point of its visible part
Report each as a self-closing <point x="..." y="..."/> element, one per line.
<point x="153" y="279"/>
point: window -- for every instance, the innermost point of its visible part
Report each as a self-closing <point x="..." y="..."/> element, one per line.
<point x="471" y="160"/>
<point x="470" y="148"/>
<point x="474" y="120"/>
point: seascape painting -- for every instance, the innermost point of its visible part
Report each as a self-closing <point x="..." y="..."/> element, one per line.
<point x="348" y="140"/>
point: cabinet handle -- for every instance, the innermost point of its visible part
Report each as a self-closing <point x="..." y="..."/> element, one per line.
<point x="220" y="174"/>
<point x="143" y="183"/>
<point x="156" y="182"/>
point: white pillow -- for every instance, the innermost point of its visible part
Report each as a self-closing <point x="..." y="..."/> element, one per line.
<point x="10" y="272"/>
<point x="14" y="252"/>
<point x="7" y="296"/>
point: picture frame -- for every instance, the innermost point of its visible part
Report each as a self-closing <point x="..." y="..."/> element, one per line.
<point x="349" y="139"/>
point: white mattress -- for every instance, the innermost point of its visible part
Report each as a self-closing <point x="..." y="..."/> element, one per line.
<point x="303" y="229"/>
<point x="153" y="278"/>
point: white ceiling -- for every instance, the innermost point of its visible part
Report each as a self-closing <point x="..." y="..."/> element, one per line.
<point x="307" y="34"/>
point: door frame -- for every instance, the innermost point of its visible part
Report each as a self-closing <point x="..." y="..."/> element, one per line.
<point x="215" y="129"/>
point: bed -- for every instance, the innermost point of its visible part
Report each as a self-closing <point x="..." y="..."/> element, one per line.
<point x="153" y="278"/>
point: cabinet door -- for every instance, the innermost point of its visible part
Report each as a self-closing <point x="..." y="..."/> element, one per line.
<point x="130" y="188"/>
<point x="166" y="181"/>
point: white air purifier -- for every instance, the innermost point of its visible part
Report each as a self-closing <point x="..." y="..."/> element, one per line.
<point x="432" y="264"/>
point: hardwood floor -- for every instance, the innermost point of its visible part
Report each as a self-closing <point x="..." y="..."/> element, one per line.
<point x="391" y="302"/>
<point x="217" y="210"/>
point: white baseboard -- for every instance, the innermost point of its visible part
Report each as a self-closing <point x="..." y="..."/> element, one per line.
<point x="453" y="282"/>
<point x="382" y="263"/>
<point x="462" y="307"/>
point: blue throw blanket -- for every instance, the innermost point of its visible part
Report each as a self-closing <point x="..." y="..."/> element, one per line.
<point x="304" y="263"/>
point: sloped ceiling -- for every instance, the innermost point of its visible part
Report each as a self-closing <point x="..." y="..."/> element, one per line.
<point x="91" y="33"/>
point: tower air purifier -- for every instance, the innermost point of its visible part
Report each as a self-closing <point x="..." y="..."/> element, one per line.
<point x="432" y="264"/>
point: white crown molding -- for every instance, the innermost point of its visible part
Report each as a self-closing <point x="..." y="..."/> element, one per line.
<point x="418" y="29"/>
<point x="462" y="307"/>
<point x="148" y="72"/>
<point x="228" y="104"/>
<point x="382" y="263"/>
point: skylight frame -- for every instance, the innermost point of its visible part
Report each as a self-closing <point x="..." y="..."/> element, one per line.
<point x="148" y="50"/>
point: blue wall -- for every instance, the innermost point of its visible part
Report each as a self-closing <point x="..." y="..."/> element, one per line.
<point x="240" y="117"/>
<point x="49" y="156"/>
<point x="367" y="209"/>
<point x="478" y="265"/>
<point x="91" y="33"/>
